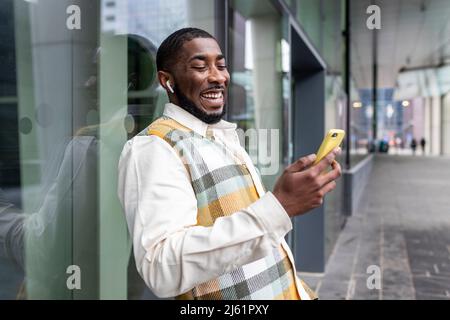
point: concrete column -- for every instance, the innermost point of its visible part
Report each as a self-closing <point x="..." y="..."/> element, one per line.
<point x="435" y="129"/>
<point x="332" y="104"/>
<point x="267" y="80"/>
<point x="416" y="114"/>
<point x="445" y="125"/>
<point x="266" y="72"/>
<point x="427" y="123"/>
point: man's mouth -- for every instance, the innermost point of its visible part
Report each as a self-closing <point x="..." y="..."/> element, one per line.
<point x="212" y="98"/>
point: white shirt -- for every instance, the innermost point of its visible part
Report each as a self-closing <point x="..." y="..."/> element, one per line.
<point x="172" y="253"/>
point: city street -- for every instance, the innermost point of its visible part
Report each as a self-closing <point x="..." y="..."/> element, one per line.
<point x="402" y="227"/>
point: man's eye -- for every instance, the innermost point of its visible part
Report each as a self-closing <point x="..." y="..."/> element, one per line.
<point x="199" y="68"/>
<point x="222" y="67"/>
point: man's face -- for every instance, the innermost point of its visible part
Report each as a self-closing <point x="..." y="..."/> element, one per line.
<point x="201" y="79"/>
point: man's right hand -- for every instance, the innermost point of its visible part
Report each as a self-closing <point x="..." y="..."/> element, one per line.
<point x="302" y="186"/>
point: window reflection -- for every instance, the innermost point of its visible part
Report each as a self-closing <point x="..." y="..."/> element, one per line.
<point x="257" y="80"/>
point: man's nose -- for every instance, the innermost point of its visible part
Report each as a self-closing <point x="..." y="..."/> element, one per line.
<point x="217" y="76"/>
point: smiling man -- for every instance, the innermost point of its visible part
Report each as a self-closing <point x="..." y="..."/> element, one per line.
<point x="199" y="89"/>
<point x="202" y="224"/>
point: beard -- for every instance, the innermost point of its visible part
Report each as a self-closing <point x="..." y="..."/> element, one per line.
<point x="190" y="107"/>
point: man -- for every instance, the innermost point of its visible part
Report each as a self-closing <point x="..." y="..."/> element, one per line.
<point x="422" y="145"/>
<point x="202" y="225"/>
<point x="414" y="145"/>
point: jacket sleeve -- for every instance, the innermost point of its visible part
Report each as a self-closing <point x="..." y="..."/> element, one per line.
<point x="172" y="253"/>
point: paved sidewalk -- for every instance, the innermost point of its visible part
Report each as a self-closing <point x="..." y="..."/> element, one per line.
<point x="402" y="227"/>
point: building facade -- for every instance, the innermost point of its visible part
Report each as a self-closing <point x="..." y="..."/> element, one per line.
<point x="70" y="96"/>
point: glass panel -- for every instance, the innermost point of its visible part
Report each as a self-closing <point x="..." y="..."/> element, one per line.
<point x="147" y="24"/>
<point x="69" y="99"/>
<point x="256" y="92"/>
<point x="335" y="107"/>
<point x="11" y="253"/>
<point x="361" y="95"/>
<point x="49" y="206"/>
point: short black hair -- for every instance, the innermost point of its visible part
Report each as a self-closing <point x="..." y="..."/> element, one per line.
<point x="170" y="48"/>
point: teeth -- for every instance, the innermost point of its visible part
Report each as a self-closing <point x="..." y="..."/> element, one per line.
<point x="212" y="95"/>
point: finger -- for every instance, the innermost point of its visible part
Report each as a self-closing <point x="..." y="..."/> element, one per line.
<point x="332" y="175"/>
<point x="336" y="165"/>
<point x="328" y="187"/>
<point x="326" y="161"/>
<point x="302" y="163"/>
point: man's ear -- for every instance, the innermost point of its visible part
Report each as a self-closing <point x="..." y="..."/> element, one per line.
<point x="166" y="81"/>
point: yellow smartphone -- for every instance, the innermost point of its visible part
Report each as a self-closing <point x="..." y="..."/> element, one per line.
<point x="332" y="140"/>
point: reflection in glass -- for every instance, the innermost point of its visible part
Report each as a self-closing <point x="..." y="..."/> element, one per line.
<point x="256" y="91"/>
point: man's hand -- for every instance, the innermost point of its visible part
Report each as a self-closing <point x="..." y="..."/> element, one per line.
<point x="302" y="186"/>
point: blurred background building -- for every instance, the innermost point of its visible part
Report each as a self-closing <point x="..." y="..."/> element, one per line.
<point x="69" y="99"/>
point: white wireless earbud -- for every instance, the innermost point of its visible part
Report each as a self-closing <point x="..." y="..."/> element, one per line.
<point x="169" y="86"/>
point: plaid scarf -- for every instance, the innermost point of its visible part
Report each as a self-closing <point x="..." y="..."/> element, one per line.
<point x="221" y="191"/>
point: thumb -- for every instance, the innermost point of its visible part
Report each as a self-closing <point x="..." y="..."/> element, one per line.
<point x="302" y="163"/>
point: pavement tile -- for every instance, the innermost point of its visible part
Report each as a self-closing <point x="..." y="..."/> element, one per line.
<point x="402" y="226"/>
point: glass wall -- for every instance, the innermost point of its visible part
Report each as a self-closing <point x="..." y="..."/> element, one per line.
<point x="332" y="49"/>
<point x="78" y="81"/>
<point x="323" y="23"/>
<point x="50" y="207"/>
<point x="257" y="103"/>
<point x="361" y="98"/>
